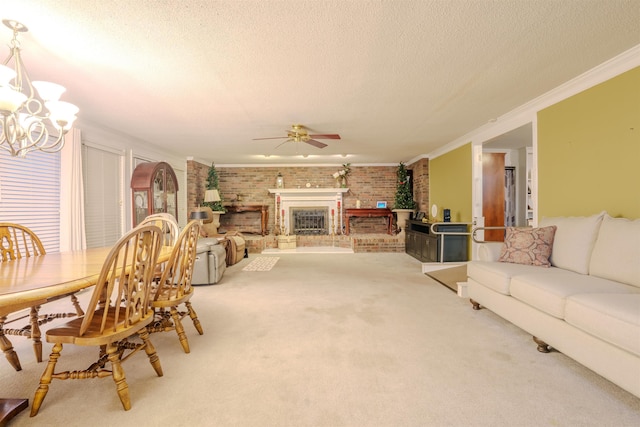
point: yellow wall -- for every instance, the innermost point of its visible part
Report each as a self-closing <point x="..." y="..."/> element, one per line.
<point x="450" y="184"/>
<point x="589" y="151"/>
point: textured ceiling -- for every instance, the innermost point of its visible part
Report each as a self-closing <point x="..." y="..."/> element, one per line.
<point x="396" y="79"/>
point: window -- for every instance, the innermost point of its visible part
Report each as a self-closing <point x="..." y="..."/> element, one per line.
<point x="30" y="194"/>
<point x="103" y="196"/>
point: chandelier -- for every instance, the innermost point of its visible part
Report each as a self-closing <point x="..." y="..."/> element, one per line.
<point x="32" y="116"/>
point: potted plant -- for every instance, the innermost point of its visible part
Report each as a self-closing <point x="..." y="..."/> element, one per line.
<point x="213" y="199"/>
<point x="404" y="203"/>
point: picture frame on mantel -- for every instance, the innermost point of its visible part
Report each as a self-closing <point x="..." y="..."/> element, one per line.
<point x="419" y="216"/>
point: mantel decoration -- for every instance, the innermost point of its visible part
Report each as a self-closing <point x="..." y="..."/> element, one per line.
<point x="342" y="174"/>
<point x="404" y="203"/>
<point x="32" y="115"/>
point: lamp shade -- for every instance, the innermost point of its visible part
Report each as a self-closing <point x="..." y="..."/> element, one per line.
<point x="211" y="196"/>
<point x="198" y="215"/>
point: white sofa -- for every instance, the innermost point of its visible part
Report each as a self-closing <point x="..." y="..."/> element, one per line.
<point x="585" y="305"/>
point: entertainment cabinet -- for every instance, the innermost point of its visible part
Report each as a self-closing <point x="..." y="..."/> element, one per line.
<point x="423" y="245"/>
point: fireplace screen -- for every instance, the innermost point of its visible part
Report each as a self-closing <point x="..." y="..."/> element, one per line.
<point x="310" y="221"/>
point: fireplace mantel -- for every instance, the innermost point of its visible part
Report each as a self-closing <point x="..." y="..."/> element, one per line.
<point x="306" y="192"/>
<point x="286" y="198"/>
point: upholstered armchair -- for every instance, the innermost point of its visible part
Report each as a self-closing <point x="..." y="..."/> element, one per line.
<point x="208" y="229"/>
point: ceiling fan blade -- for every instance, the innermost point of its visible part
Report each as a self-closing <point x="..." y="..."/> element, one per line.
<point x="326" y="136"/>
<point x="275" y="137"/>
<point x="316" y="143"/>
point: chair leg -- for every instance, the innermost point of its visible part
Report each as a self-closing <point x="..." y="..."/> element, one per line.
<point x="182" y="336"/>
<point x="7" y="347"/>
<point x="36" y="335"/>
<point x="194" y="317"/>
<point x="76" y="305"/>
<point x="151" y="351"/>
<point x="45" y="380"/>
<point x="117" y="373"/>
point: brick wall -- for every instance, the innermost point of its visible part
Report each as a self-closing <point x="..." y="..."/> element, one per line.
<point x="368" y="184"/>
<point x="421" y="184"/>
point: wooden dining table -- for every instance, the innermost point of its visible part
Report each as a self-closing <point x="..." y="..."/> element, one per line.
<point x="32" y="281"/>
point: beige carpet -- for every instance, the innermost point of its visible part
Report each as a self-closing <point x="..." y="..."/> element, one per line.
<point x="334" y="340"/>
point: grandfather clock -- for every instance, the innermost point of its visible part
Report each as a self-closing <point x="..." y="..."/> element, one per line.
<point x="154" y="189"/>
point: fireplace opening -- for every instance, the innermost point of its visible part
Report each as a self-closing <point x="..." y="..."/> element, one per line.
<point x="310" y="221"/>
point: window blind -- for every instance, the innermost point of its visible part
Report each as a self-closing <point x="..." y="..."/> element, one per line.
<point x="30" y="194"/>
<point x="103" y="198"/>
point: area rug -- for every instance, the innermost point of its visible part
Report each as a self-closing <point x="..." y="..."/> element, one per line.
<point x="262" y="263"/>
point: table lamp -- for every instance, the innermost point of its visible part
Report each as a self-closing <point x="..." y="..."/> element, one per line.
<point x="211" y="196"/>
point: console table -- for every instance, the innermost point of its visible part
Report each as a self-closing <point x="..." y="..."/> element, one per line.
<point x="369" y="213"/>
<point x="264" y="214"/>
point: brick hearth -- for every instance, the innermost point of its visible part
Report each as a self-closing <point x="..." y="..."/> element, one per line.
<point x="358" y="242"/>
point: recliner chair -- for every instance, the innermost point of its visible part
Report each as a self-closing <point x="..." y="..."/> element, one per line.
<point x="210" y="262"/>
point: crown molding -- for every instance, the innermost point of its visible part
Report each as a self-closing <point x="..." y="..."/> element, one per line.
<point x="527" y="112"/>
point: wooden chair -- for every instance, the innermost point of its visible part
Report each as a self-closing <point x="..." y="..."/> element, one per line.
<point x="119" y="309"/>
<point x="16" y="242"/>
<point x="170" y="230"/>
<point x="174" y="287"/>
<point x="167" y="224"/>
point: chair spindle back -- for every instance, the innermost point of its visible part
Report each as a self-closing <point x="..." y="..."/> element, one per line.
<point x="175" y="281"/>
<point x="167" y="224"/>
<point x="18" y="241"/>
<point x="122" y="293"/>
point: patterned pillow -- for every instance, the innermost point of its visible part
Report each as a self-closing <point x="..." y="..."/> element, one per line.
<point x="529" y="246"/>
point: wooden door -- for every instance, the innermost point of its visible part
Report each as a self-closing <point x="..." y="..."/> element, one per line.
<point x="493" y="195"/>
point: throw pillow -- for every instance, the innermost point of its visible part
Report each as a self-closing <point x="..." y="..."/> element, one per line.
<point x="528" y="246"/>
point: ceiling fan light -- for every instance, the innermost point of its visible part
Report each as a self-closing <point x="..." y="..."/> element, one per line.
<point x="49" y="91"/>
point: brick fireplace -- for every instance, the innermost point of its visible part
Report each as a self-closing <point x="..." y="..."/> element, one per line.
<point x="321" y="210"/>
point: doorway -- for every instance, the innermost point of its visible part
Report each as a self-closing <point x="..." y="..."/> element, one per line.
<point x="508" y="203"/>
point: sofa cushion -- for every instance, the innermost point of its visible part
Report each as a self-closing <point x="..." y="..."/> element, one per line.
<point x="528" y="246"/>
<point x="497" y="275"/>
<point x="573" y="241"/>
<point x="549" y="292"/>
<point x="614" y="318"/>
<point x="616" y="254"/>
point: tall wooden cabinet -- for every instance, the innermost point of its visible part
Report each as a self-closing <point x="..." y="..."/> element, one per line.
<point x="154" y="189"/>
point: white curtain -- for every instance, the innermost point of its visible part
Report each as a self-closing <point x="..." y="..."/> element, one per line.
<point x="72" y="230"/>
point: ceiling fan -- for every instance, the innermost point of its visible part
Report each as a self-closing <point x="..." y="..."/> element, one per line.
<point x="298" y="133"/>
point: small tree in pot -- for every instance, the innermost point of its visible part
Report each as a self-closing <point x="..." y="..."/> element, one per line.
<point x="404" y="203"/>
<point x="404" y="197"/>
<point x="213" y="184"/>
